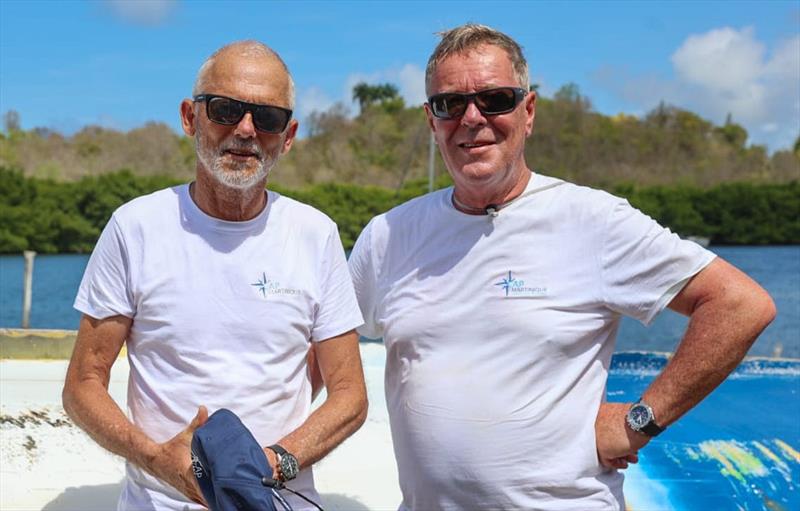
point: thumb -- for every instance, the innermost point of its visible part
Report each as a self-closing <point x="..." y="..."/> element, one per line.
<point x="199" y="419"/>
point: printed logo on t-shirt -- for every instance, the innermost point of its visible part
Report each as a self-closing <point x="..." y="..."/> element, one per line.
<point x="267" y="287"/>
<point x="517" y="288"/>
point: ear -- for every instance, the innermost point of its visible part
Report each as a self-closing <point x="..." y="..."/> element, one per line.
<point x="530" y="112"/>
<point x="430" y="117"/>
<point x="291" y="133"/>
<point x="188" y="118"/>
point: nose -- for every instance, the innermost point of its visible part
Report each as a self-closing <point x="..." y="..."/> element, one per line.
<point x="472" y="116"/>
<point x="245" y="128"/>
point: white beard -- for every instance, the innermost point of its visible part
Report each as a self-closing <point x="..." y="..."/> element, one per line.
<point x="234" y="174"/>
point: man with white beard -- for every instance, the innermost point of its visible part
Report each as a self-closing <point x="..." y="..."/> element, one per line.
<point x="219" y="289"/>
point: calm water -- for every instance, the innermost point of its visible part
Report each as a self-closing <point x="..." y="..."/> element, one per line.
<point x="56" y="279"/>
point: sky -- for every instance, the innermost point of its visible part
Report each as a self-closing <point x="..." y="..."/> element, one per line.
<point x="65" y="65"/>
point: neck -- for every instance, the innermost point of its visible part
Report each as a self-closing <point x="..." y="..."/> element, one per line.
<point x="483" y="200"/>
<point x="231" y="204"/>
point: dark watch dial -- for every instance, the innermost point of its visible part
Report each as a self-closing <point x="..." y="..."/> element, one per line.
<point x="638" y="416"/>
<point x="289" y="466"/>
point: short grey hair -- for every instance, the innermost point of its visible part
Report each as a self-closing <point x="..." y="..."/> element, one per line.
<point x="469" y="37"/>
<point x="247" y="48"/>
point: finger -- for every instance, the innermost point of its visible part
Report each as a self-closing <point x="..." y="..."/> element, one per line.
<point x="618" y="463"/>
<point x="199" y="419"/>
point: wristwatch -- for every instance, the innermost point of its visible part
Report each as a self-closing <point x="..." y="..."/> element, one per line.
<point x="287" y="463"/>
<point x="640" y="418"/>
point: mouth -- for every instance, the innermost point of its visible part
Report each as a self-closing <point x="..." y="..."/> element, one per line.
<point x="471" y="146"/>
<point x="240" y="154"/>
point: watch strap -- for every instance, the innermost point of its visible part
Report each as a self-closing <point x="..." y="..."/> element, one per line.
<point x="277" y="449"/>
<point x="652" y="429"/>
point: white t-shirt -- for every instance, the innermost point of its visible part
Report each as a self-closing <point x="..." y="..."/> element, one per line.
<point x="499" y="333"/>
<point x="223" y="314"/>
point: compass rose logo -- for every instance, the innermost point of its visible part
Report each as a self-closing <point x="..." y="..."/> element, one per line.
<point x="506" y="283"/>
<point x="263" y="284"/>
<point x="271" y="287"/>
<point x="517" y="288"/>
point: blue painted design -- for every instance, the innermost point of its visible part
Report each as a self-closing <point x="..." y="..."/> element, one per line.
<point x="738" y="449"/>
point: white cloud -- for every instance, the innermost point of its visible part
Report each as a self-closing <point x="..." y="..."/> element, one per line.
<point x="412" y="84"/>
<point x="721" y="60"/>
<point x="310" y="100"/>
<point x="726" y="71"/>
<point x="142" y="12"/>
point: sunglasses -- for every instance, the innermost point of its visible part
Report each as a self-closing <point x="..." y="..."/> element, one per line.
<point x="451" y="105"/>
<point x="228" y="111"/>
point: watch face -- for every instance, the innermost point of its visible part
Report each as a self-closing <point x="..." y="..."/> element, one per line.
<point x="289" y="467"/>
<point x="638" y="416"/>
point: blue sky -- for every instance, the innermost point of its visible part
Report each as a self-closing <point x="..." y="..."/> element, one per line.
<point x="119" y="64"/>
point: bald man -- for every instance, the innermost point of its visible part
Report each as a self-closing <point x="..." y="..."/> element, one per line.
<point x="219" y="289"/>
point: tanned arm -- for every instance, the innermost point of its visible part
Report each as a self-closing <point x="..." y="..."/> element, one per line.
<point x="727" y="311"/>
<point x="88" y="403"/>
<point x="344" y="409"/>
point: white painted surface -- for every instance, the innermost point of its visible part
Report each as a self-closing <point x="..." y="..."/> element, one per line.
<point x="59" y="468"/>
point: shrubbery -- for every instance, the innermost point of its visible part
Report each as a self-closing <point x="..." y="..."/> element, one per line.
<point x="67" y="217"/>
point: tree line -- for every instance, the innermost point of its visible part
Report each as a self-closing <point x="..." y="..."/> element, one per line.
<point x="50" y="216"/>
<point x="386" y="144"/>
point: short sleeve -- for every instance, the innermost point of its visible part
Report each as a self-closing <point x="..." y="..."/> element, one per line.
<point x="644" y="265"/>
<point x="105" y="287"/>
<point x="362" y="271"/>
<point x="337" y="310"/>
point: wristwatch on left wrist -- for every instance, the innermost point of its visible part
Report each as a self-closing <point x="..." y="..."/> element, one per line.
<point x="641" y="419"/>
<point x="288" y="467"/>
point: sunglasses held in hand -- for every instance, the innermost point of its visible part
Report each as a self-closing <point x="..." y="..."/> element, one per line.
<point x="451" y="105"/>
<point x="229" y="111"/>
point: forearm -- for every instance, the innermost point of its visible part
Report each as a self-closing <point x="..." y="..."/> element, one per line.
<point x="342" y="413"/>
<point x="344" y="409"/>
<point x="90" y="406"/>
<point x="720" y="332"/>
<point x="727" y="313"/>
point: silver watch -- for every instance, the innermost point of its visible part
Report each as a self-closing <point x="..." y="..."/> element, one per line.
<point x="641" y="419"/>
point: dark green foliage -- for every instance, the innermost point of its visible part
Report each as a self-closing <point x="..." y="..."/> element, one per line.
<point x="368" y="95"/>
<point x="733" y="213"/>
<point x="52" y="217"/>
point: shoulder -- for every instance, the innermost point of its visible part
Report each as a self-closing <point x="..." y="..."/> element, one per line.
<point x="300" y="215"/>
<point x="572" y="203"/>
<point x="419" y="211"/>
<point x="580" y="195"/>
<point x="153" y="207"/>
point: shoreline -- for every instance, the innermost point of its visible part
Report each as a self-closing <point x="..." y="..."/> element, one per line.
<point x="56" y="344"/>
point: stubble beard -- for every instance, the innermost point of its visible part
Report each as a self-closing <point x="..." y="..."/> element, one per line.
<point x="235" y="175"/>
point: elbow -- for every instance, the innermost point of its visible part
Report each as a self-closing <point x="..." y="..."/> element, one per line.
<point x="71" y="396"/>
<point x="759" y="309"/>
<point x="768" y="310"/>
<point x="68" y="400"/>
<point x="362" y="407"/>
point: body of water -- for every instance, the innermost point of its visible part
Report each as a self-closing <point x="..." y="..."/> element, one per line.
<point x="56" y="279"/>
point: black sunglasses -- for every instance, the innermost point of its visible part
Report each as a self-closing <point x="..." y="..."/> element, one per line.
<point x="228" y="111"/>
<point x="501" y="100"/>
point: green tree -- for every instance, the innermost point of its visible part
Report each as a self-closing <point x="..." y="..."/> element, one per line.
<point x="367" y="95"/>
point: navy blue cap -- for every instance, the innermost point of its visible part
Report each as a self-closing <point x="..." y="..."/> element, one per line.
<point x="230" y="465"/>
